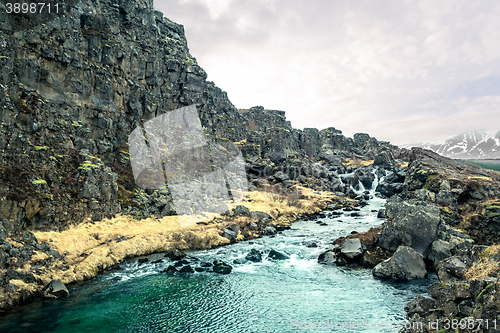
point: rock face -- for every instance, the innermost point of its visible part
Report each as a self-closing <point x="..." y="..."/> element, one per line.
<point x="411" y="224"/>
<point x="405" y="264"/>
<point x="74" y="86"/>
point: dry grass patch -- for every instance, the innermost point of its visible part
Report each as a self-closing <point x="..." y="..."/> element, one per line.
<point x="485" y="267"/>
<point x="357" y="162"/>
<point x="90" y="247"/>
<point x="401" y="165"/>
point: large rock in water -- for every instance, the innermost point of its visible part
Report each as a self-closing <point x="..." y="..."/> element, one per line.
<point x="254" y="255"/>
<point x="221" y="267"/>
<point x="405" y="264"/>
<point x="55" y="289"/>
<point x="351" y="248"/>
<point x="273" y="254"/>
<point x="413" y="224"/>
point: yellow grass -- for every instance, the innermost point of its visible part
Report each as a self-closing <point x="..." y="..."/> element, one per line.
<point x="485" y="267"/>
<point x="357" y="162"/>
<point x="93" y="246"/>
<point x="479" y="177"/>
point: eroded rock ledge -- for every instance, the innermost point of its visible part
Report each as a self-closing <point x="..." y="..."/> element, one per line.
<point x="444" y="221"/>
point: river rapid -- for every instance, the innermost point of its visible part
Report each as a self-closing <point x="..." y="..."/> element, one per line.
<point x="296" y="294"/>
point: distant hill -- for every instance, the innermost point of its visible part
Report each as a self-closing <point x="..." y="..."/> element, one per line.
<point x="467" y="145"/>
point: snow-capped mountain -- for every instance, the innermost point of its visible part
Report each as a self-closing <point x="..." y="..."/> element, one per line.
<point x="468" y="145"/>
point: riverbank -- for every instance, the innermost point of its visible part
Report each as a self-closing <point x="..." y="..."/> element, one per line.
<point x="83" y="251"/>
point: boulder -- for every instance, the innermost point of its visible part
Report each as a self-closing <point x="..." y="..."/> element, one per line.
<point x="381" y="213"/>
<point x="229" y="234"/>
<point x="260" y="215"/>
<point x="310" y="243"/>
<point x="29" y="238"/>
<point x="239" y="261"/>
<point x="254" y="255"/>
<point x="4" y="259"/>
<point x="451" y="269"/>
<point x="405" y="264"/>
<point x="327" y="258"/>
<point x="175" y="255"/>
<point x="241" y="211"/>
<point x="269" y="231"/>
<point x="55" y="289"/>
<point x="273" y="254"/>
<point x="420" y="305"/>
<point x="253" y="226"/>
<point x="186" y="269"/>
<point x="444" y="197"/>
<point x="351" y="248"/>
<point x="221" y="267"/>
<point x="370" y="259"/>
<point x="409" y="224"/>
<point x="385" y="189"/>
<point x="384" y="159"/>
<point x="439" y="250"/>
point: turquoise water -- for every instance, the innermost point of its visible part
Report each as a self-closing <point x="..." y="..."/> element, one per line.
<point x="272" y="296"/>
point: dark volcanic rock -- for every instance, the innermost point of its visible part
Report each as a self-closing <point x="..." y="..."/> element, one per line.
<point x="186" y="269"/>
<point x="175" y="255"/>
<point x="55" y="289"/>
<point x="410" y="224"/>
<point x="273" y="254"/>
<point x="327" y="258"/>
<point x="254" y="255"/>
<point x="351" y="248"/>
<point x="452" y="269"/>
<point x="406" y="264"/>
<point x="221" y="267"/>
<point x="269" y="231"/>
<point x="439" y="250"/>
<point x="229" y="234"/>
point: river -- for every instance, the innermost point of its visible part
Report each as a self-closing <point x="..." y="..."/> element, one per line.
<point x="272" y="296"/>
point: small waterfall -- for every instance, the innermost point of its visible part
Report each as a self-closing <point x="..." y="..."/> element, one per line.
<point x="375" y="181"/>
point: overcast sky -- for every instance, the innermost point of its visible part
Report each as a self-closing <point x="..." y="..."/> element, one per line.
<point x="402" y="71"/>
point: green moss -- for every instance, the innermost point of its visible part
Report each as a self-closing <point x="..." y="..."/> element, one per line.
<point x="444" y="284"/>
<point x="76" y="124"/>
<point x="446" y="210"/>
<point x="422" y="172"/>
<point x="484" y="291"/>
<point x="426" y="187"/>
<point x="492" y="207"/>
<point x="87" y="165"/>
<point x="474" y="312"/>
<point x="53" y="158"/>
<point x="443" y="330"/>
<point x="38" y="182"/>
<point x="41" y="148"/>
<point x="493" y="215"/>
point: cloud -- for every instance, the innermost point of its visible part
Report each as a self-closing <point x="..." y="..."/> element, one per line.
<point x="359" y="66"/>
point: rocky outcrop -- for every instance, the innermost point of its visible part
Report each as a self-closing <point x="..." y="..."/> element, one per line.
<point x="413" y="224"/>
<point x="405" y="264"/>
<point x="74" y="86"/>
<point x="472" y="304"/>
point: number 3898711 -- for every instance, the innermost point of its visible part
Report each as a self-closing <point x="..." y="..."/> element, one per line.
<point x="31" y="8"/>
